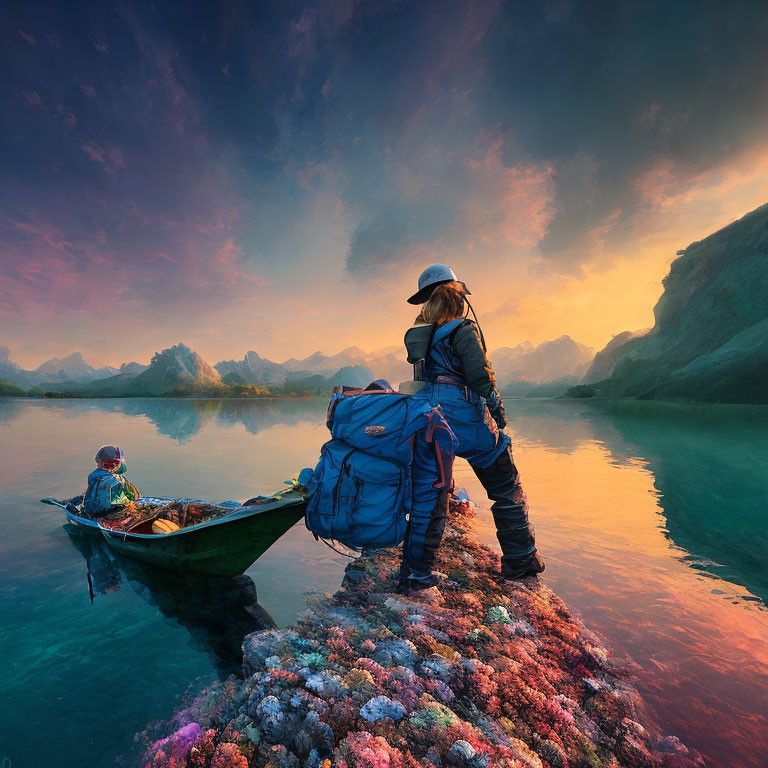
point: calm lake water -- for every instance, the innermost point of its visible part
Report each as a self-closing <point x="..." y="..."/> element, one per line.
<point x="653" y="519"/>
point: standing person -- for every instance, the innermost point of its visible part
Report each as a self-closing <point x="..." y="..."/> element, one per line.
<point x="448" y="352"/>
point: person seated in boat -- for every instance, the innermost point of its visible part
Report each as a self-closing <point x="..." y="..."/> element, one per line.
<point x="108" y="487"/>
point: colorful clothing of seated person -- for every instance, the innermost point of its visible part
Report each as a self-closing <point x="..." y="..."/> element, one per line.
<point x="107" y="485"/>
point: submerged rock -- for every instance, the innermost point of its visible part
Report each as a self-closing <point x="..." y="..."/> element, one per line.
<point x="486" y="673"/>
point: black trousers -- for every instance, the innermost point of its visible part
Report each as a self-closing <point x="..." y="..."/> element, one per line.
<point x="514" y="531"/>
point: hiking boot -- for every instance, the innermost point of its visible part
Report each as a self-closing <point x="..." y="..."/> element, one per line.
<point x="531" y="567"/>
<point x="418" y="583"/>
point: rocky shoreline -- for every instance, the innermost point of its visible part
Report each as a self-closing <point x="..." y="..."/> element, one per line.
<point x="480" y="673"/>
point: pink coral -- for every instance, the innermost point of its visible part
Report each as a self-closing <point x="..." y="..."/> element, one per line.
<point x="228" y="755"/>
<point x="173" y="751"/>
<point x="363" y="750"/>
<point x="378" y="672"/>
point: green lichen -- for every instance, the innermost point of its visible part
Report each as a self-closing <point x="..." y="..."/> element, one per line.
<point x="498" y="614"/>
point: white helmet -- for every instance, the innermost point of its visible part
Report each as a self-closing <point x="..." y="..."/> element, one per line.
<point x="432" y="276"/>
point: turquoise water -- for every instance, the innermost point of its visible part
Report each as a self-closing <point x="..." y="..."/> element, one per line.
<point x="652" y="519"/>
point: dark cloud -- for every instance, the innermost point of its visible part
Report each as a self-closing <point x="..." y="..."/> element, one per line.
<point x="606" y="90"/>
<point x="175" y="128"/>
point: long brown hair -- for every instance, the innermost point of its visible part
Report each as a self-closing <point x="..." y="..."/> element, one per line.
<point x="445" y="304"/>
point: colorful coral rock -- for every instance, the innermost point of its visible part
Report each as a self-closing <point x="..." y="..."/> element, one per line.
<point x="482" y="674"/>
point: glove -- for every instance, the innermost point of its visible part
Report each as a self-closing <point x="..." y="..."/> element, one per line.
<point x="496" y="408"/>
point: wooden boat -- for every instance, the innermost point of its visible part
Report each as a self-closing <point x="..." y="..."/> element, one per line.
<point x="224" y="546"/>
<point x="74" y="514"/>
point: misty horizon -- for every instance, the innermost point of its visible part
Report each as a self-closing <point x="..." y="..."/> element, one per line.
<point x="350" y="351"/>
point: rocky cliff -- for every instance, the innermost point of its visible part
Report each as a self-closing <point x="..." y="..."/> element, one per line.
<point x="14" y="373"/>
<point x="709" y="339"/>
<point x="388" y="363"/>
<point x="253" y="369"/>
<point x="72" y="368"/>
<point x="606" y="359"/>
<point x="176" y="368"/>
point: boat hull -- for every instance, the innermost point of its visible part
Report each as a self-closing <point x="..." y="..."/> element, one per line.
<point x="224" y="547"/>
<point x="82" y="525"/>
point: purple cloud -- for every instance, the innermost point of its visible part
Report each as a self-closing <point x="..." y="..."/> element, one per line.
<point x="67" y="116"/>
<point x="29" y="38"/>
<point x="108" y="155"/>
<point x="32" y="98"/>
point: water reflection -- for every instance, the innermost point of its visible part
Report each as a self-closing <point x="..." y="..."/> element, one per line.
<point x="11" y="409"/>
<point x="181" y="419"/>
<point x="217" y="612"/>
<point x="710" y="468"/>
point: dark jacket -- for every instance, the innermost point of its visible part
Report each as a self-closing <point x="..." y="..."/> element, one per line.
<point x="455" y="350"/>
<point x="459" y="354"/>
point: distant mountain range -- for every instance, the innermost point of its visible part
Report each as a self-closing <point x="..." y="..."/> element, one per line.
<point x="72" y="368"/>
<point x="387" y="364"/>
<point x="710" y="338"/>
<point x="548" y="368"/>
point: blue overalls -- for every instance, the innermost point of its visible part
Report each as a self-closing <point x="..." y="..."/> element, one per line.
<point x="488" y="451"/>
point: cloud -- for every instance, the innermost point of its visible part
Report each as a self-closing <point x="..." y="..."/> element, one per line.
<point x="32" y="99"/>
<point x="26" y="36"/>
<point x="302" y="34"/>
<point x="550" y="151"/>
<point x="479" y="207"/>
<point x="506" y="206"/>
<point x="150" y="228"/>
<point x="67" y="116"/>
<point x="602" y="112"/>
<point x="107" y="155"/>
<point x="40" y="259"/>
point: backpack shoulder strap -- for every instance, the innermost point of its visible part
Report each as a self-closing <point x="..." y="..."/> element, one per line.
<point x="460" y="325"/>
<point x="447" y="330"/>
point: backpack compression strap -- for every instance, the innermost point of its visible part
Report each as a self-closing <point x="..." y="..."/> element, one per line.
<point x="444" y="460"/>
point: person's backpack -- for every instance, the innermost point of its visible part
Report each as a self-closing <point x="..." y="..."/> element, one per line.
<point x="361" y="490"/>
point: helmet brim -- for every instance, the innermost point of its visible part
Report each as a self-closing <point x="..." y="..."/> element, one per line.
<point x="422" y="296"/>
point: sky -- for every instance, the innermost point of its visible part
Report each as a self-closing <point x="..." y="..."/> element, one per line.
<point x="275" y="175"/>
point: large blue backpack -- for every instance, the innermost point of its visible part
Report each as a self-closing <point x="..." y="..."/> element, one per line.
<point x="361" y="491"/>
